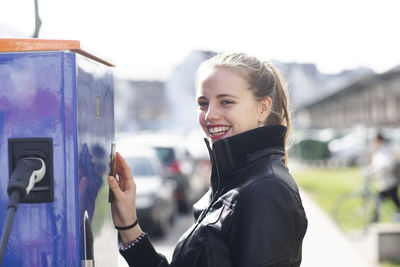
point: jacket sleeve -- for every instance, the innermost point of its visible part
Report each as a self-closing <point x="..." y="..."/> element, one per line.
<point x="263" y="230"/>
<point x="143" y="254"/>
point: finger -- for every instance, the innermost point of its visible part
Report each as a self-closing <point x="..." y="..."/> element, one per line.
<point x="114" y="186"/>
<point x="123" y="169"/>
<point x="122" y="166"/>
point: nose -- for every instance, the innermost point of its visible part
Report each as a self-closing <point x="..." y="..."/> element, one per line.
<point x="212" y="113"/>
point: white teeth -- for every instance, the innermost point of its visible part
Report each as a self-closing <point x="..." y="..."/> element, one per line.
<point x="219" y="129"/>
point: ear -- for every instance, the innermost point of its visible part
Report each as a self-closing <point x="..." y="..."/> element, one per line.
<point x="264" y="109"/>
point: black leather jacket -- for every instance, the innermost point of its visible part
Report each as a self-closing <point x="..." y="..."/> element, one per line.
<point x="252" y="215"/>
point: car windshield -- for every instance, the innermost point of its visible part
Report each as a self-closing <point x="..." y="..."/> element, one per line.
<point x="140" y="166"/>
<point x="166" y="155"/>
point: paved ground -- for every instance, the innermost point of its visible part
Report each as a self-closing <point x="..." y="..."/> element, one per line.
<point x="324" y="244"/>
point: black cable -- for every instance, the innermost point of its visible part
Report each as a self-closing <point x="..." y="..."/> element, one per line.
<point x="5" y="234"/>
<point x="22" y="179"/>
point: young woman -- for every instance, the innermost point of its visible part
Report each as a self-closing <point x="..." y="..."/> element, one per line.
<point x="252" y="214"/>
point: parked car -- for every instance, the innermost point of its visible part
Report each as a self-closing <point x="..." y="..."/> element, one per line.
<point x="179" y="165"/>
<point x="155" y="204"/>
<point x="353" y="146"/>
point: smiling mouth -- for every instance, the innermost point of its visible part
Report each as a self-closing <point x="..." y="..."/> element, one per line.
<point x="218" y="132"/>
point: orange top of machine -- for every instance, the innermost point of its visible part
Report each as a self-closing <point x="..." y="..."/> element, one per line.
<point x="26" y="45"/>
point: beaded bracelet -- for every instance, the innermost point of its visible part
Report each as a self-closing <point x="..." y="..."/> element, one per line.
<point x="129" y="244"/>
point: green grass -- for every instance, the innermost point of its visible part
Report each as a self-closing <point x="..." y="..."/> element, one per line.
<point x="390" y="264"/>
<point x="326" y="185"/>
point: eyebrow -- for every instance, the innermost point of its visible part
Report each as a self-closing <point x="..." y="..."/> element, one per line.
<point x="226" y="95"/>
<point x="219" y="96"/>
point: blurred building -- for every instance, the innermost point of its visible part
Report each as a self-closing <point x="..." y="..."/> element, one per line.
<point x="152" y="105"/>
<point x="139" y="105"/>
<point x="372" y="101"/>
<point x="307" y="83"/>
<point x="180" y="91"/>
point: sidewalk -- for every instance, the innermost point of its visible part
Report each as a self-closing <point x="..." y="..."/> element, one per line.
<point x="325" y="245"/>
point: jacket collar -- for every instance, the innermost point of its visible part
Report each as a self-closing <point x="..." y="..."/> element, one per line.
<point x="233" y="153"/>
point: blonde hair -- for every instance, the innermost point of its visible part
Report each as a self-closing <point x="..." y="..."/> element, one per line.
<point x="264" y="81"/>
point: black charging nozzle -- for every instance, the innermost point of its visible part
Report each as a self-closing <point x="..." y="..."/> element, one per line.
<point x="28" y="171"/>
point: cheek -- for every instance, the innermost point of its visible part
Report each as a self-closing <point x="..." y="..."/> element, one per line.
<point x="246" y="119"/>
<point x="202" y="122"/>
<point x="201" y="118"/>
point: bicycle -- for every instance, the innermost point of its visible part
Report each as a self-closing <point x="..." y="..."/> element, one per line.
<point x="355" y="212"/>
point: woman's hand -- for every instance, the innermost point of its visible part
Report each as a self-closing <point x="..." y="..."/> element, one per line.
<point x="123" y="207"/>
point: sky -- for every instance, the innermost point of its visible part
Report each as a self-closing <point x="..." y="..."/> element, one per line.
<point x="146" y="39"/>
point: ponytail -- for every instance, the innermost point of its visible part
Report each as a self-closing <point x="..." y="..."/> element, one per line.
<point x="280" y="103"/>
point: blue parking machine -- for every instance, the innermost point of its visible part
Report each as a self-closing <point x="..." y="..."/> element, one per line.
<point x="57" y="104"/>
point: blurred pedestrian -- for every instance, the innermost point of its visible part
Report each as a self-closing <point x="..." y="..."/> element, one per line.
<point x="252" y="215"/>
<point x="383" y="162"/>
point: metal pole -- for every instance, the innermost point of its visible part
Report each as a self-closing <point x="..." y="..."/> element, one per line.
<point x="38" y="21"/>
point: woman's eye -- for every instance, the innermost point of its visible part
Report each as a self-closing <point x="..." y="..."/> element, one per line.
<point x="202" y="104"/>
<point x="226" y="102"/>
